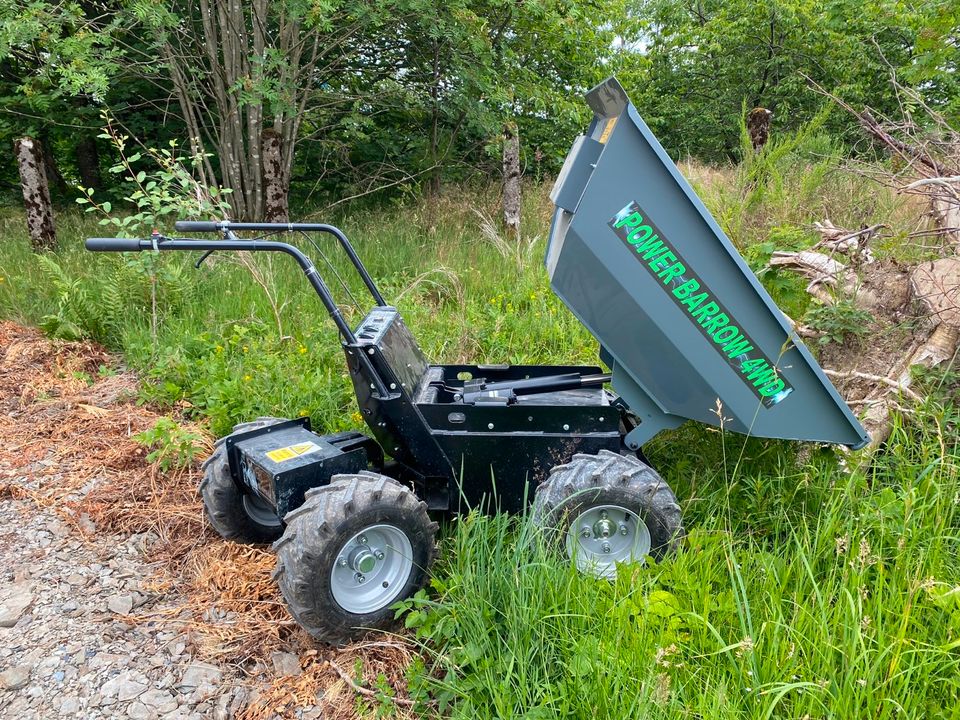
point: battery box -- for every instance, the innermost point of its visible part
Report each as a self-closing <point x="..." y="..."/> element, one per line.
<point x="281" y="462"/>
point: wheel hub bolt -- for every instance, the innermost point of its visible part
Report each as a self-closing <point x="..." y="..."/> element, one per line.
<point x="585" y="533"/>
<point x="603" y="527"/>
<point x="359" y="577"/>
<point x="623" y="529"/>
<point x="362" y="539"/>
<point x="605" y="547"/>
<point x="342" y="562"/>
<point x="379" y="554"/>
<point x="363" y="561"/>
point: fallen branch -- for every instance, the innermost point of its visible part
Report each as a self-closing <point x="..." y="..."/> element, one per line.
<point x="899" y="386"/>
<point x="853" y="243"/>
<point x="804" y="331"/>
<point x="367" y="692"/>
<point x="910" y="151"/>
<point x="947" y="182"/>
<point x="824" y="270"/>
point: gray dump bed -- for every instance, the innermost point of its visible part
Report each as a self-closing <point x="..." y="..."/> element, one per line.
<point x="687" y="328"/>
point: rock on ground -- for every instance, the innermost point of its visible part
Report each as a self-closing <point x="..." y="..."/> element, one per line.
<point x="67" y="652"/>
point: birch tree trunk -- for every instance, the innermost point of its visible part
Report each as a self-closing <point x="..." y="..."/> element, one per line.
<point x="36" y="193"/>
<point x="511" y="178"/>
<point x="275" y="187"/>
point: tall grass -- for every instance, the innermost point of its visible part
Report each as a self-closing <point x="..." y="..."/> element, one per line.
<point x="841" y="601"/>
<point x="212" y="340"/>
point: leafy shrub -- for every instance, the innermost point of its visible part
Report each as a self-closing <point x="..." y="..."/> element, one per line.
<point x="171" y="445"/>
<point x="167" y="189"/>
<point x="837" y="321"/>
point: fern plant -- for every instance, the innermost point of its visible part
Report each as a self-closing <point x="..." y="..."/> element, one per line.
<point x="87" y="307"/>
<point x="96" y="306"/>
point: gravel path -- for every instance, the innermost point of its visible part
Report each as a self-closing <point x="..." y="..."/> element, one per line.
<point x="116" y="599"/>
<point x="65" y="648"/>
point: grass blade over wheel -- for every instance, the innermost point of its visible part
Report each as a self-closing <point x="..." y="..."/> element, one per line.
<point x="607" y="509"/>
<point x="353" y="549"/>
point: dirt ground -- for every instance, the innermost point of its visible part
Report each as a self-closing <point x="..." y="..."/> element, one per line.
<point x="116" y="600"/>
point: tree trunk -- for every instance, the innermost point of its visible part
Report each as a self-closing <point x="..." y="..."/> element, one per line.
<point x="511" y="178"/>
<point x="55" y="181"/>
<point x="275" y="189"/>
<point x="36" y="193"/>
<point x="88" y="162"/>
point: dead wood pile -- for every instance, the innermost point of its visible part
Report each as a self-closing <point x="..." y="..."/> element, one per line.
<point x="915" y="307"/>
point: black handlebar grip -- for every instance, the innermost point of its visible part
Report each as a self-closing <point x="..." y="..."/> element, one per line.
<point x="196" y="226"/>
<point x="115" y="244"/>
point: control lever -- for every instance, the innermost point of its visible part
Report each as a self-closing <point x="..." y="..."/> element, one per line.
<point x="227" y="235"/>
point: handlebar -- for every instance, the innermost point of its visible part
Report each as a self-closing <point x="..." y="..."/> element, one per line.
<point x="196" y="226"/>
<point x="115" y="244"/>
<point x="232" y="242"/>
<point x="227" y="227"/>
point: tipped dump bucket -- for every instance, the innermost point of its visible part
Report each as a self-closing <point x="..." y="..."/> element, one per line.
<point x="686" y="327"/>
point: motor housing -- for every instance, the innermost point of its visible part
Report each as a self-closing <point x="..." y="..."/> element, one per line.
<point x="281" y="462"/>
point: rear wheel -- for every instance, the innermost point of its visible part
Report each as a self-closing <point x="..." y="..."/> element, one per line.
<point x="353" y="549"/>
<point x="607" y="509"/>
<point x="236" y="515"/>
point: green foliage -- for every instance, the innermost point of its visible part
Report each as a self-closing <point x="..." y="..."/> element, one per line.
<point x="839" y="600"/>
<point x="98" y="306"/>
<point x="227" y="376"/>
<point x="838" y="320"/>
<point x="941" y="387"/>
<point x="171" y="446"/>
<point x="807" y="585"/>
<point x="58" y="60"/>
<point x="160" y="195"/>
<point x="704" y="63"/>
<point x="86" y="307"/>
<point x="61" y="50"/>
<point x="418" y="92"/>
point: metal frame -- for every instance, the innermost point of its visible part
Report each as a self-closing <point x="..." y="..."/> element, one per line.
<point x="460" y="443"/>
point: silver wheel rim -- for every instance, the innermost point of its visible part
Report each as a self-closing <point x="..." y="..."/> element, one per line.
<point x="260" y="512"/>
<point x="605" y="535"/>
<point x="371" y="569"/>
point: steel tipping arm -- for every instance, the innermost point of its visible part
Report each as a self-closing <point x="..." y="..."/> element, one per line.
<point x="225" y="226"/>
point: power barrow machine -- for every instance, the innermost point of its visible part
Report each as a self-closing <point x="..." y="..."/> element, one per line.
<point x="682" y="324"/>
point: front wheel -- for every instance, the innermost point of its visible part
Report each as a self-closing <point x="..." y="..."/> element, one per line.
<point x="353" y="549"/>
<point x="607" y="509"/>
<point x="236" y="515"/>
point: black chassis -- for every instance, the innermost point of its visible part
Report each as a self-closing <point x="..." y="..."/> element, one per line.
<point x="462" y="436"/>
<point x="458" y="454"/>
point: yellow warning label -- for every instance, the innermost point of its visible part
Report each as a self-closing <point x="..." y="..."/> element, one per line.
<point x="292" y="451"/>
<point x="604" y="136"/>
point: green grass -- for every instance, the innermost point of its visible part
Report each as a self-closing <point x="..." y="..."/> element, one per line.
<point x="840" y="600"/>
<point x="808" y="586"/>
<point x="218" y="347"/>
